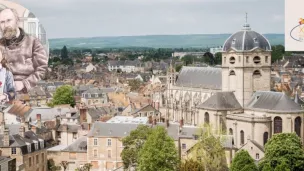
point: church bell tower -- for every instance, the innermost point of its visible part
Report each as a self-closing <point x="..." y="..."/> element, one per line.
<point x="246" y="64"/>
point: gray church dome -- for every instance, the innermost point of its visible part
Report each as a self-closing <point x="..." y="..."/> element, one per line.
<point x="246" y="40"/>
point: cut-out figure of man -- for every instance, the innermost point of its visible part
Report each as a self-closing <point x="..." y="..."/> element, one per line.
<point x="25" y="55"/>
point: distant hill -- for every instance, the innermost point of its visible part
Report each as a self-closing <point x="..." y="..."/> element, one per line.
<point x="154" y="41"/>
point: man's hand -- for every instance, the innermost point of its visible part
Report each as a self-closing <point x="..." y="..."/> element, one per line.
<point x="19" y="85"/>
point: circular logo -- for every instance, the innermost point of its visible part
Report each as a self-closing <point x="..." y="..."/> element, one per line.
<point x="297" y="33"/>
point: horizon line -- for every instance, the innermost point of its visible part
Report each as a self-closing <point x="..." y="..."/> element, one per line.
<point x="83" y="37"/>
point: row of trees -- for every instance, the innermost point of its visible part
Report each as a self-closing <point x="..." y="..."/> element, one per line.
<point x="283" y="152"/>
<point x="152" y="149"/>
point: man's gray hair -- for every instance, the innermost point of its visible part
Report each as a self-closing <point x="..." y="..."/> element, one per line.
<point x="14" y="11"/>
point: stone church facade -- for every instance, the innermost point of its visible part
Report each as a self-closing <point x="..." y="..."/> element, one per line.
<point x="236" y="98"/>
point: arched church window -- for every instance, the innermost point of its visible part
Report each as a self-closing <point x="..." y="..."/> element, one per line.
<point x="232" y="72"/>
<point x="257" y="60"/>
<point x="232" y="60"/>
<point x="257" y="73"/>
<point x="265" y="137"/>
<point x="277" y="125"/>
<point x="247" y="59"/>
<point x="206" y="118"/>
<point x="224" y="60"/>
<point x="297" y="126"/>
<point x="242" y="137"/>
<point x="231" y="133"/>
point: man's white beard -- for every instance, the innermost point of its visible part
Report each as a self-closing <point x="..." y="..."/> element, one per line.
<point x="9" y="33"/>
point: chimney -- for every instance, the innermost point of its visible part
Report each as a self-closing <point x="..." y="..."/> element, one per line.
<point x="38" y="120"/>
<point x="34" y="129"/>
<point x="6" y="138"/>
<point x="26" y="126"/>
<point x="181" y="123"/>
<point x="21" y="131"/>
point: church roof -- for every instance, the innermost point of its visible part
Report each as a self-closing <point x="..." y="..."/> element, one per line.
<point x="273" y="102"/>
<point x="221" y="101"/>
<point x="200" y="77"/>
<point x="246" y="40"/>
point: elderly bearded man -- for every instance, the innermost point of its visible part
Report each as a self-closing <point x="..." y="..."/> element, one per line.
<point x="25" y="55"/>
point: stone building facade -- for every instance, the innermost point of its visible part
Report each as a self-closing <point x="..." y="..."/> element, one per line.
<point x="236" y="98"/>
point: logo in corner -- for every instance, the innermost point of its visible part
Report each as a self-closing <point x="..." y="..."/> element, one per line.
<point x="297" y="33"/>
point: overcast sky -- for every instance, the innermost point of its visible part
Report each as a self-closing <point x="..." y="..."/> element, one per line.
<point x="92" y="18"/>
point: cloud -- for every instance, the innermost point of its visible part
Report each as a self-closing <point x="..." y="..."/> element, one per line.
<point x="88" y="18"/>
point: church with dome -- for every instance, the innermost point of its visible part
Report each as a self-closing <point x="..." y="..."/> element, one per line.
<point x="234" y="98"/>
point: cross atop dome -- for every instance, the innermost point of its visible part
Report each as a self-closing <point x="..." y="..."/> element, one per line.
<point x="246" y="26"/>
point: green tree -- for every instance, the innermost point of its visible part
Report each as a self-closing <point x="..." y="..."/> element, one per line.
<point x="209" y="150"/>
<point x="134" y="84"/>
<point x="218" y="58"/>
<point x="178" y="68"/>
<point x="159" y="152"/>
<point x="243" y="162"/>
<point x="191" y="165"/>
<point x="283" y="151"/>
<point x="64" y="53"/>
<point x="86" y="167"/>
<point x="133" y="144"/>
<point x="78" y="61"/>
<point x="51" y="165"/>
<point x="189" y="59"/>
<point x="63" y="95"/>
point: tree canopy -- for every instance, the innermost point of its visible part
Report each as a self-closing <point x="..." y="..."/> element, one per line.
<point x="283" y="152"/>
<point x="242" y="161"/>
<point x="191" y="165"/>
<point x="64" y="53"/>
<point x="63" y="95"/>
<point x="133" y="144"/>
<point x="209" y="150"/>
<point x="159" y="152"/>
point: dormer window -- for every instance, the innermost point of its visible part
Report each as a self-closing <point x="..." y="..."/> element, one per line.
<point x="29" y="149"/>
<point x="36" y="145"/>
<point x="232" y="60"/>
<point x="255" y="40"/>
<point x="42" y="144"/>
<point x="233" y="41"/>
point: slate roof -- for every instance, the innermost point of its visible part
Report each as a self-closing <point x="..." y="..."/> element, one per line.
<point x="200" y="77"/>
<point x="96" y="113"/>
<point x="70" y="128"/>
<point x="80" y="145"/>
<point x="221" y="101"/>
<point x="37" y="91"/>
<point x="48" y="113"/>
<point x="246" y="40"/>
<point x="273" y="102"/>
<point x="103" y="129"/>
<point x="99" y="90"/>
<point x="143" y="108"/>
